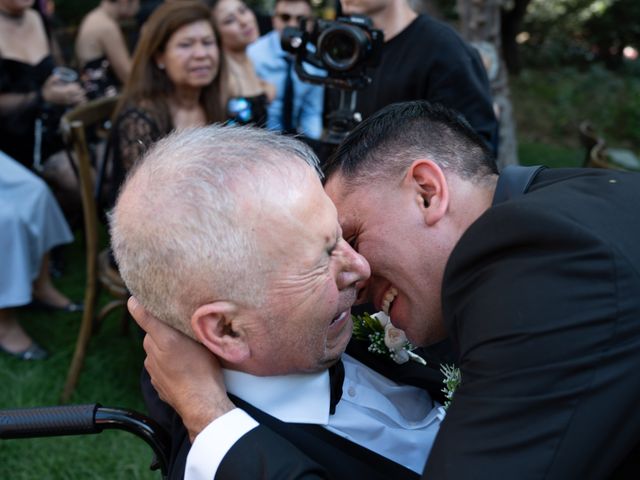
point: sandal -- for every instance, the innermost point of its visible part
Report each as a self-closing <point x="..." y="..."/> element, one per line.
<point x="32" y="352"/>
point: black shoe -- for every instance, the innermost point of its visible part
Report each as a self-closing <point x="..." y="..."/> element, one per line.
<point x="70" y="307"/>
<point x="32" y="352"/>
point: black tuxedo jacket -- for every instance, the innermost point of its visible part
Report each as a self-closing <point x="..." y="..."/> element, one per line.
<point x="322" y="453"/>
<point x="541" y="297"/>
<point x="542" y="301"/>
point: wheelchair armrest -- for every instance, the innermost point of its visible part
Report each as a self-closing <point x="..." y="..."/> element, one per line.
<point x="83" y="420"/>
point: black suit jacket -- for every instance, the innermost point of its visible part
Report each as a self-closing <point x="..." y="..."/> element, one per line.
<point x="541" y="297"/>
<point x="321" y="452"/>
<point x="542" y="301"/>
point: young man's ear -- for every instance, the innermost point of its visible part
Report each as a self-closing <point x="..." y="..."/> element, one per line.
<point x="431" y="189"/>
<point x="214" y="325"/>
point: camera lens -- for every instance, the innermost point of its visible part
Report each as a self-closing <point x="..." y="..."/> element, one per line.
<point x="341" y="47"/>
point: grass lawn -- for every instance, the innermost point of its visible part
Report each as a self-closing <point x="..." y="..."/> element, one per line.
<point x="109" y="377"/>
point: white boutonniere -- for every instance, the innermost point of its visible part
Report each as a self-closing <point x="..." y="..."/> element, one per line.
<point x="451" y="381"/>
<point x="384" y="338"/>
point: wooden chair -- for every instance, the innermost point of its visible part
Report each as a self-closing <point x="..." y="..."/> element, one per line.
<point x="599" y="155"/>
<point x="100" y="273"/>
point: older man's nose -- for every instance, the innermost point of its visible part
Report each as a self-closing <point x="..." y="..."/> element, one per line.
<point x="355" y="271"/>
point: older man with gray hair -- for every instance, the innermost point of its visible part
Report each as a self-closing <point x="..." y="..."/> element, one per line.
<point x="226" y="234"/>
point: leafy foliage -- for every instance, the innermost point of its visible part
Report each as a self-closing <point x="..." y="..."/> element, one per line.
<point x="580" y="32"/>
<point x="550" y="104"/>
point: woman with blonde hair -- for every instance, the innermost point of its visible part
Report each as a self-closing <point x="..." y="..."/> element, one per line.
<point x="248" y="94"/>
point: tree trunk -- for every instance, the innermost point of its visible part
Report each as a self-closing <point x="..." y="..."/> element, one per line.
<point x="480" y="26"/>
<point x="511" y="25"/>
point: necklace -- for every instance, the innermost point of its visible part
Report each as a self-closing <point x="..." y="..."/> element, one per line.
<point x="16" y="18"/>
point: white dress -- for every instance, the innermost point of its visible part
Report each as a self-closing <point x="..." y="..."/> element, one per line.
<point x="31" y="223"/>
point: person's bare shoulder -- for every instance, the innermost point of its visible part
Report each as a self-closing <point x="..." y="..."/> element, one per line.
<point x="95" y="31"/>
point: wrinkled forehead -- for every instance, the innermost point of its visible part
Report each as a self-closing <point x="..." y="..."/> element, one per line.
<point x="296" y="216"/>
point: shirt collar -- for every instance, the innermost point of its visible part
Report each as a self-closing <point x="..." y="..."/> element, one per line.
<point x="299" y="398"/>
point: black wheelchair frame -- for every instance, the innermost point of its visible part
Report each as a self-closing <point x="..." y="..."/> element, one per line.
<point x="85" y="420"/>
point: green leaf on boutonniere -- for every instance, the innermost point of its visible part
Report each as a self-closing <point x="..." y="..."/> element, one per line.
<point x="452" y="379"/>
<point x="384" y="339"/>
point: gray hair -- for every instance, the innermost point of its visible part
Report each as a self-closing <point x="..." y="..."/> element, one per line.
<point x="182" y="231"/>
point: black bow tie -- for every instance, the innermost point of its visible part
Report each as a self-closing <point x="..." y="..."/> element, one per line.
<point x="336" y="378"/>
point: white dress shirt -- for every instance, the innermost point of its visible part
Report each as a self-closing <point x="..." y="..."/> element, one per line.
<point x="399" y="422"/>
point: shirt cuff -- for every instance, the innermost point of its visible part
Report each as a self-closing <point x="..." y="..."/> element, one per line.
<point x="213" y="443"/>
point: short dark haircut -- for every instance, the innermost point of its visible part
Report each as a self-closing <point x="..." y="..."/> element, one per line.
<point x="384" y="145"/>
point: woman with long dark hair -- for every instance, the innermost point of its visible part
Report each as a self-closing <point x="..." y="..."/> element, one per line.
<point x="175" y="81"/>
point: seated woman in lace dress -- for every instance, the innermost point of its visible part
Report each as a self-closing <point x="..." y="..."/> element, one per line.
<point x="32" y="97"/>
<point x="174" y="82"/>
<point x="31" y="223"/>
<point x="248" y="94"/>
<point x="101" y="49"/>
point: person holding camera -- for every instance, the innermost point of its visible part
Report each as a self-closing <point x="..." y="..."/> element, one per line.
<point x="424" y="59"/>
<point x="297" y="105"/>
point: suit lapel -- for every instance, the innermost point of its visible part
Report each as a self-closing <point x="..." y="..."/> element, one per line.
<point x="342" y="458"/>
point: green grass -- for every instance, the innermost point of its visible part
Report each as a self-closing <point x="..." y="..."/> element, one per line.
<point x="536" y="153"/>
<point x="110" y="377"/>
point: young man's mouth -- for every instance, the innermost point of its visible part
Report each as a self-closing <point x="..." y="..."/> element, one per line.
<point x="389" y="296"/>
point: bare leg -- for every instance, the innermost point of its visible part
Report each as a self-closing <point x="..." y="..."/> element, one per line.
<point x="13" y="338"/>
<point x="44" y="290"/>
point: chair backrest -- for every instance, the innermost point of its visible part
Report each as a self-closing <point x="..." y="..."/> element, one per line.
<point x="589" y="139"/>
<point x="74" y="125"/>
<point x="599" y="155"/>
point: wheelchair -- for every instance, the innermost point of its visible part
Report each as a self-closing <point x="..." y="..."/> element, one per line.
<point x="85" y="420"/>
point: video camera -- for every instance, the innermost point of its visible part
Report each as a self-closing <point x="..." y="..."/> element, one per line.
<point x="346" y="49"/>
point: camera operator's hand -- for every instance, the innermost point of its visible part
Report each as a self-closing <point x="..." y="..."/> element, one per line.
<point x="59" y="92"/>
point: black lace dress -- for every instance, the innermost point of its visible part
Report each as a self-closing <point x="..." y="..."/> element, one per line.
<point x="18" y="118"/>
<point x="134" y="131"/>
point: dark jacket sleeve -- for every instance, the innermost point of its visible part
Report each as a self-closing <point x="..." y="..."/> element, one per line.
<point x="262" y="454"/>
<point x="541" y="309"/>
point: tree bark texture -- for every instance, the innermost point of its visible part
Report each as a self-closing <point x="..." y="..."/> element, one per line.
<point x="480" y="25"/>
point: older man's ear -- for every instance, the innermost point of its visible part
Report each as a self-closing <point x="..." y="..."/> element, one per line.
<point x="214" y="325"/>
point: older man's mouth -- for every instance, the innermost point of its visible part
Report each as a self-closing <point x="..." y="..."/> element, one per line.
<point x="340" y="317"/>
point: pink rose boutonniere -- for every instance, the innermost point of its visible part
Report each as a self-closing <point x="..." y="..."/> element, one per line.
<point x="384" y="338"/>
